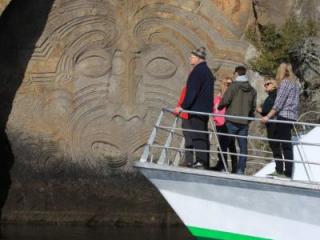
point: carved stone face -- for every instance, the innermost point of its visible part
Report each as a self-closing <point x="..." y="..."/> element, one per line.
<point x="103" y="69"/>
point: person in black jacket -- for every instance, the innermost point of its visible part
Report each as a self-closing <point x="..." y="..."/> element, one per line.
<point x="270" y="87"/>
<point x="199" y="98"/>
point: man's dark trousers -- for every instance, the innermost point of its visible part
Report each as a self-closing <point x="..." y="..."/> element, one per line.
<point x="197" y="141"/>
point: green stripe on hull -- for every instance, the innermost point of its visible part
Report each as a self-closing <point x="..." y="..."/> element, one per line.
<point x="206" y="234"/>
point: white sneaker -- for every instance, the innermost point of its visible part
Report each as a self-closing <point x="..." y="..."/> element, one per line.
<point x="198" y="165"/>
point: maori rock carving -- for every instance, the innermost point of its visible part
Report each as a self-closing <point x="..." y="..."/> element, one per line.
<point x="102" y="70"/>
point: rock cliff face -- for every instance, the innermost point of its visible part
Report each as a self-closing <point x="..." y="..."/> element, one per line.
<point x="87" y="79"/>
<point x="272" y="11"/>
<point x="82" y="82"/>
<point x="305" y="57"/>
<point x="101" y="70"/>
<point x="276" y="12"/>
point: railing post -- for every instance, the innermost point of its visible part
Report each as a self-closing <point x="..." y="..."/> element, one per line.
<point x="178" y="156"/>
<point x="146" y="151"/>
<point x="214" y="129"/>
<point x="300" y="154"/>
<point x="164" y="152"/>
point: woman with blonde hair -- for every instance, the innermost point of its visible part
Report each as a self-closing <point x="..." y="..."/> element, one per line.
<point x="226" y="143"/>
<point x="286" y="108"/>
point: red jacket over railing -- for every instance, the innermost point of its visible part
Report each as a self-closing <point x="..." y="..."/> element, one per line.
<point x="183" y="92"/>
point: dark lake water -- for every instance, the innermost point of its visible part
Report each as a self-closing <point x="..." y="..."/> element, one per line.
<point x="39" y="232"/>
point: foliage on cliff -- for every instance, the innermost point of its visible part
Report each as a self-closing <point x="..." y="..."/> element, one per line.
<point x="274" y="44"/>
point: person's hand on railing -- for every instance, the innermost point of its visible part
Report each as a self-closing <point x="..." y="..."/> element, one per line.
<point x="271" y="114"/>
<point x="265" y="119"/>
<point x="178" y="110"/>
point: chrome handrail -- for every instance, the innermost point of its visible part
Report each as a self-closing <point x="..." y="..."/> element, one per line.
<point x="240" y="117"/>
<point x="175" y="137"/>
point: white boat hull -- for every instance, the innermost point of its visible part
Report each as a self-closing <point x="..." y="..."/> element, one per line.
<point x="220" y="206"/>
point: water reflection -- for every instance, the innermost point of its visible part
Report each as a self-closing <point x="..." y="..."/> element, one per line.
<point x="18" y="232"/>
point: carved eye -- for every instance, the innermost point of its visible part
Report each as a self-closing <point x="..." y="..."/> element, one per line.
<point x="94" y="65"/>
<point x="161" y="68"/>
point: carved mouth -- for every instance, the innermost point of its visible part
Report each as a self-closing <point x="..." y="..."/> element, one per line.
<point x="109" y="153"/>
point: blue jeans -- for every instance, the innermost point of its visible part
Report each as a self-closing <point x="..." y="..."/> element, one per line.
<point x="241" y="130"/>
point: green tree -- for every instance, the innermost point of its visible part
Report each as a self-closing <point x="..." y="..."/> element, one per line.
<point x="274" y="44"/>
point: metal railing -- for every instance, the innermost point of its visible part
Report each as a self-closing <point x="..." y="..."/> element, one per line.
<point x="166" y="142"/>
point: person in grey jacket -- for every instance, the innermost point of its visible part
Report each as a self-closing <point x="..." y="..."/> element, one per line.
<point x="240" y="100"/>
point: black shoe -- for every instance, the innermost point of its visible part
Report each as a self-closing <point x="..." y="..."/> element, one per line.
<point x="280" y="171"/>
<point x="288" y="175"/>
<point x="217" y="167"/>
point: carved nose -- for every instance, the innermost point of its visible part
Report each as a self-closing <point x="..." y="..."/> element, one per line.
<point x="129" y="113"/>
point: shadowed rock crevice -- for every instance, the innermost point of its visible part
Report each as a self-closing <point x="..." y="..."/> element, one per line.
<point x="306" y="62"/>
<point x="21" y="25"/>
